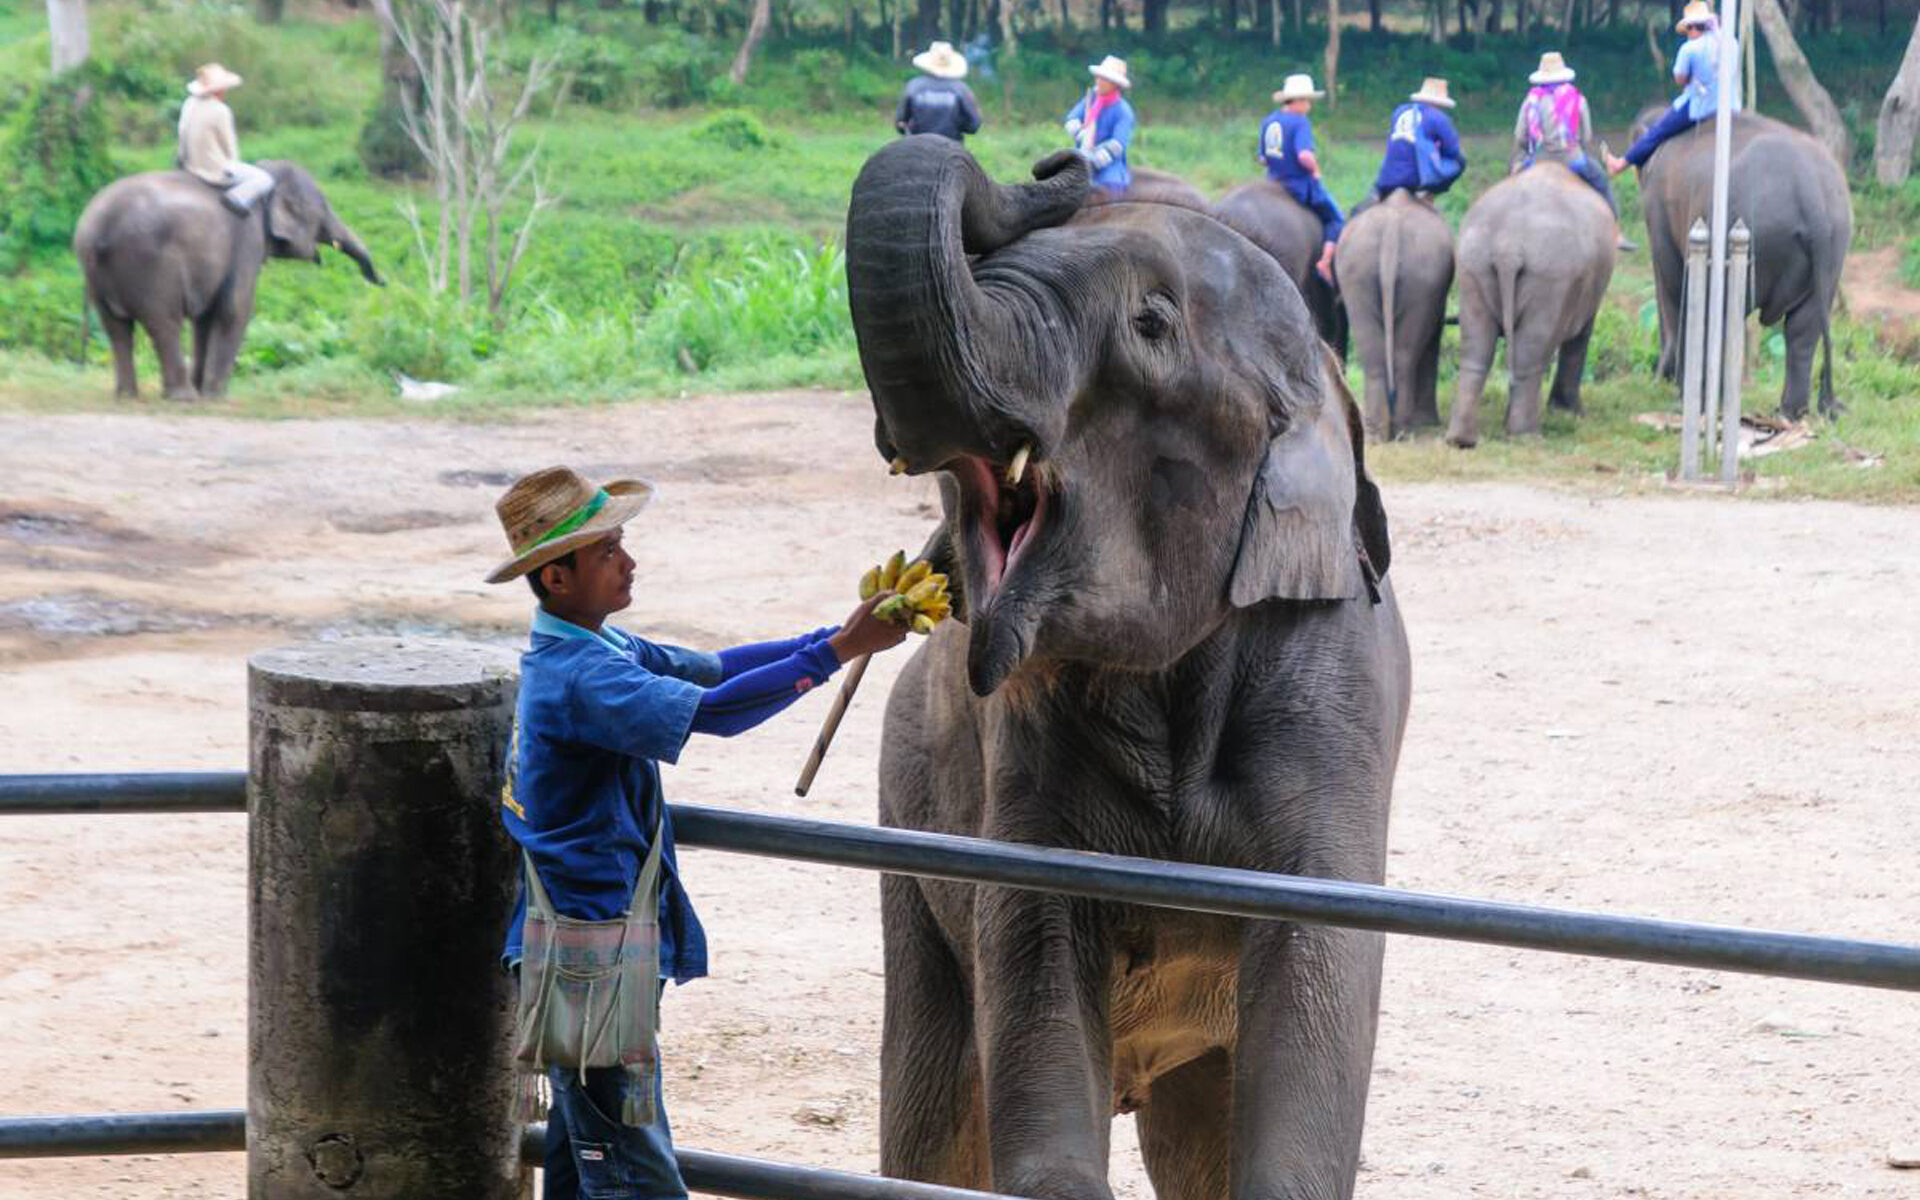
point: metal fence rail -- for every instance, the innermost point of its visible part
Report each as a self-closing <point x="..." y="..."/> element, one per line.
<point x="225" y="1129"/>
<point x="1133" y="880"/>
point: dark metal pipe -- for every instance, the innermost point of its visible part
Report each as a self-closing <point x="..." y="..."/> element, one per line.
<point x="137" y="792"/>
<point x="1147" y="881"/>
<point x="1319" y="901"/>
<point x="226" y="1130"/>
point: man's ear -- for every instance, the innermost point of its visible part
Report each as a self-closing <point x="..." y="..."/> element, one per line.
<point x="559" y="581"/>
<point x="1312" y="507"/>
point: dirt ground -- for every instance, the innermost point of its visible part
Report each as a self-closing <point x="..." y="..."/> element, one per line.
<point x="1679" y="706"/>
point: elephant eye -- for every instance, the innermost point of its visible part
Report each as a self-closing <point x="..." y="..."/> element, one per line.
<point x="1155" y="318"/>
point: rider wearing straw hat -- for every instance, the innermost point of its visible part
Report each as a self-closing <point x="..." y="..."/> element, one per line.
<point x="1697" y="70"/>
<point x="1423" y="149"/>
<point x="1287" y="149"/>
<point x="599" y="709"/>
<point x="1555" y="121"/>
<point x="209" y="147"/>
<point x="1101" y="125"/>
<point x="936" y="101"/>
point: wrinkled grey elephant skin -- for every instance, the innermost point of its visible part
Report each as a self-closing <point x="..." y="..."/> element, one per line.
<point x="1533" y="262"/>
<point x="1174" y="639"/>
<point x="1794" y="199"/>
<point x="1272" y="219"/>
<point x="1395" y="269"/>
<point x="161" y="250"/>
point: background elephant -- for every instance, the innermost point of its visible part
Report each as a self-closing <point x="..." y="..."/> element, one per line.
<point x="1273" y="220"/>
<point x="160" y="249"/>
<point x="1395" y="268"/>
<point x="1534" y="259"/>
<point x="1174" y="639"/>
<point x="1159" y="187"/>
<point x="1794" y="199"/>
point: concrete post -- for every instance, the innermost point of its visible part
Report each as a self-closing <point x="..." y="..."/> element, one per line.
<point x="1693" y="359"/>
<point x="381" y="881"/>
<point x="1733" y="359"/>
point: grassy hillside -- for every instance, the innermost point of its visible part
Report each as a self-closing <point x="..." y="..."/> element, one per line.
<point x="695" y="248"/>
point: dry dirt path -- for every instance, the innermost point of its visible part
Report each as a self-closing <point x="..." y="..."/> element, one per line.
<point x="1676" y="706"/>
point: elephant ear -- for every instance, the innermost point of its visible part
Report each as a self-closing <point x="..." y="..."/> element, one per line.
<point x="294" y="214"/>
<point x="1315" y="528"/>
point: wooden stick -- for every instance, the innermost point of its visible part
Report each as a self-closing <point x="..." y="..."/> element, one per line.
<point x="831" y="725"/>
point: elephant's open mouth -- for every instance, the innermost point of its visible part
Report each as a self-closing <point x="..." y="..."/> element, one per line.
<point x="1003" y="509"/>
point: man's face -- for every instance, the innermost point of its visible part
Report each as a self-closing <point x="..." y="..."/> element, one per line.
<point x="600" y="582"/>
<point x="1106" y="87"/>
<point x="1303" y="107"/>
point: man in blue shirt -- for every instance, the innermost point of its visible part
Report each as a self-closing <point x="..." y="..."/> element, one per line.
<point x="1287" y="149"/>
<point x="936" y="101"/>
<point x="1697" y="70"/>
<point x="1420" y="132"/>
<point x="1101" y="126"/>
<point x="599" y="709"/>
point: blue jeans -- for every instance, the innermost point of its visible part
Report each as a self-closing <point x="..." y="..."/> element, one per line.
<point x="1314" y="195"/>
<point x="1672" y="123"/>
<point x="592" y="1156"/>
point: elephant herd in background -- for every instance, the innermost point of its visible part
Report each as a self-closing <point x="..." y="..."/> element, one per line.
<point x="1533" y="259"/>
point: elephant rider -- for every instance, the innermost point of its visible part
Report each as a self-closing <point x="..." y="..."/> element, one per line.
<point x="935" y="101"/>
<point x="1287" y="149"/>
<point x="1423" y="149"/>
<point x="1697" y="70"/>
<point x="210" y="149"/>
<point x="1101" y="125"/>
<point x="598" y="710"/>
<point x="1554" y="121"/>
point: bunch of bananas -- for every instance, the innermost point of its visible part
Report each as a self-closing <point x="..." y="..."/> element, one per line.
<point x="919" y="601"/>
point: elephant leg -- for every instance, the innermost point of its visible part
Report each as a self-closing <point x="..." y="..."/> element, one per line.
<point x="1186" y="1129"/>
<point x="175" y="381"/>
<point x="1802" y="331"/>
<point x="1478" y="334"/>
<point x="1426" y="393"/>
<point x="225" y="333"/>
<point x="932" y="1123"/>
<point x="1568" y="371"/>
<point x="1308" y="1008"/>
<point x="1042" y="975"/>
<point x="1407" y="358"/>
<point x="120" y="337"/>
<point x="200" y="326"/>
<point x="1527" y="370"/>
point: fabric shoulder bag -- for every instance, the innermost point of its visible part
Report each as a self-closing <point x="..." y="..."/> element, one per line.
<point x="589" y="990"/>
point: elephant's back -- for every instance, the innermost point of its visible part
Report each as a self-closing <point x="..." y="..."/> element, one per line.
<point x="143" y="208"/>
<point x="1546" y="214"/>
<point x="1268" y="216"/>
<point x="1422" y="243"/>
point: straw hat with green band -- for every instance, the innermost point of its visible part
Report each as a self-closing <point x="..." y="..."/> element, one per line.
<point x="550" y="514"/>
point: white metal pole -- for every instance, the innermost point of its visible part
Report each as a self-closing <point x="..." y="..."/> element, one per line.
<point x="1725" y="81"/>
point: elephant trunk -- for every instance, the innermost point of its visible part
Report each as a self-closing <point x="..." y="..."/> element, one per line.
<point x="951" y="360"/>
<point x="343" y="240"/>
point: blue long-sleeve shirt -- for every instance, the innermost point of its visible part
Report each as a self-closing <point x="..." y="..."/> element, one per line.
<point x="1413" y="121"/>
<point x="598" y="712"/>
<point x="1105" y="145"/>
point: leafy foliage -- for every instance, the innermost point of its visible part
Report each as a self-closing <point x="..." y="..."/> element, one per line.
<point x="53" y="159"/>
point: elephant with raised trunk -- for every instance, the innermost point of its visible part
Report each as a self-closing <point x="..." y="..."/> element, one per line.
<point x="1174" y="638"/>
<point x="1534" y="259"/>
<point x="1395" y="269"/>
<point x="1272" y="219"/>
<point x="1794" y="199"/>
<point x="160" y="250"/>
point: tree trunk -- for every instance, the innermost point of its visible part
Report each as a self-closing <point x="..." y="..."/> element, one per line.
<point x="1299" y="19"/>
<point x="926" y="23"/>
<point x="1653" y="48"/>
<point x="1373" y="16"/>
<point x="1899" y="118"/>
<point x="1010" y="43"/>
<point x="1520" y="17"/>
<point x="1333" y="53"/>
<point x="1822" y="117"/>
<point x="67" y="21"/>
<point x="1493" y="16"/>
<point x="1153" y="15"/>
<point x="1274" y="20"/>
<point x="756" y="29"/>
<point x="269" y="11"/>
<point x="1230" y="15"/>
<point x="1066" y="18"/>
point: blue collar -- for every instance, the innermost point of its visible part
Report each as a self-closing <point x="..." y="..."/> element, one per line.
<point x="548" y="625"/>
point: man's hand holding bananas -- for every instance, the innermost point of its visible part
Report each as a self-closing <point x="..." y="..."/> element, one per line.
<point x="919" y="601"/>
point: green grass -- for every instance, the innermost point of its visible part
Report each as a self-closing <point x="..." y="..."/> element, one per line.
<point x="695" y="249"/>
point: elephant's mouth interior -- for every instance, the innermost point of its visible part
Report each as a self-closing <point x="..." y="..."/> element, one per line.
<point x="1005" y="508"/>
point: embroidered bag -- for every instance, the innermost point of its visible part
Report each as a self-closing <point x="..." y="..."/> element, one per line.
<point x="589" y="990"/>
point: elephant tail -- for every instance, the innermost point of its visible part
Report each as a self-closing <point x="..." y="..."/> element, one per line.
<point x="1389" y="280"/>
<point x="1509" y="273"/>
<point x="1827" y="402"/>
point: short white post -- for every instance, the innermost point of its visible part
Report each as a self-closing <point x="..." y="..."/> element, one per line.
<point x="1692" y="351"/>
<point x="1739" y="245"/>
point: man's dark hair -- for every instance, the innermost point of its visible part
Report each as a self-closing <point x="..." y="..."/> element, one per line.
<point x="533" y="576"/>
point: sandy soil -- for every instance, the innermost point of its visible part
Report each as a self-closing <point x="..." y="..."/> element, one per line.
<point x="1679" y="706"/>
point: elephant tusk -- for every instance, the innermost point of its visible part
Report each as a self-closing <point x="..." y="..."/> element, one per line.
<point x="1017" y="469"/>
<point x="897" y="467"/>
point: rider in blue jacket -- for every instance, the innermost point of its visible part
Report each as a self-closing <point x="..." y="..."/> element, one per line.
<point x="1101" y="125"/>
